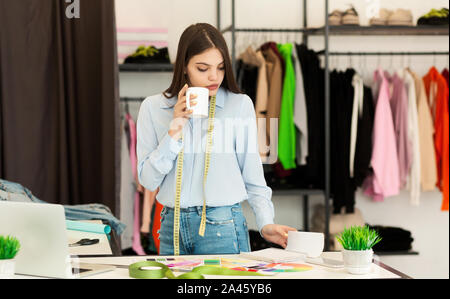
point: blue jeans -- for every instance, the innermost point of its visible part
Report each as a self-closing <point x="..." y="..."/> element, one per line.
<point x="226" y="231"/>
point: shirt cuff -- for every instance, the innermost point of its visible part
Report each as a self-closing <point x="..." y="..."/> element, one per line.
<point x="263" y="222"/>
<point x="170" y="147"/>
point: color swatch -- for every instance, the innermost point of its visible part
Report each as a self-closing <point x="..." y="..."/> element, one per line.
<point x="187" y="264"/>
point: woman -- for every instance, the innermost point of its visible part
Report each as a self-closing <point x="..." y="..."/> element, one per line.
<point x="163" y="138"/>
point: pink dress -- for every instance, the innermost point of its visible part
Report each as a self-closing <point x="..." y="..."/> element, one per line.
<point x="136" y="245"/>
<point x="385" y="180"/>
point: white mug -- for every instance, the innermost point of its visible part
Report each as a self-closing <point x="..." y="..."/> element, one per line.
<point x="201" y="108"/>
<point x="309" y="243"/>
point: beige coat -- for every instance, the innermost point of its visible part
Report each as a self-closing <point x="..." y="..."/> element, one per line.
<point x="428" y="170"/>
<point x="257" y="59"/>
<point x="275" y="84"/>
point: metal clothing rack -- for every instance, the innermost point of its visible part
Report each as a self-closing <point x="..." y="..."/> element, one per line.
<point x="326" y="31"/>
<point x="305" y="193"/>
<point x="383" y="53"/>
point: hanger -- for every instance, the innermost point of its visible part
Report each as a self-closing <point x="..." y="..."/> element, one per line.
<point x="261" y="39"/>
<point x="350" y="60"/>
<point x="242" y="43"/>
<point x="127" y="110"/>
<point x="362" y="65"/>
<point x="391" y="64"/>
<point x="330" y="61"/>
<point x="338" y="62"/>
<point x="254" y="40"/>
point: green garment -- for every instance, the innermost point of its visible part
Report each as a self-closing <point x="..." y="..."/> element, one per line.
<point x="286" y="131"/>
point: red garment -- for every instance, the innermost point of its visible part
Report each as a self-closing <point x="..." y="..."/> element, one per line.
<point x="274" y="48"/>
<point x="445" y="75"/>
<point x="157" y="222"/>
<point x="439" y="103"/>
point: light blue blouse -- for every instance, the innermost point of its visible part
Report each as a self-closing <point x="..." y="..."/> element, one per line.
<point x="235" y="171"/>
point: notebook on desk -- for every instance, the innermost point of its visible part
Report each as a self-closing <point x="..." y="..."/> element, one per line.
<point x="41" y="231"/>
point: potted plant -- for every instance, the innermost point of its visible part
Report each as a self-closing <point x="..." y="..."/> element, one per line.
<point x="357" y="242"/>
<point x="9" y="247"/>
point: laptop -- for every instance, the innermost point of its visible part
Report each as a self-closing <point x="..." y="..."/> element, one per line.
<point x="44" y="249"/>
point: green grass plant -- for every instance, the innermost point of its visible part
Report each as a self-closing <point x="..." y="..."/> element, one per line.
<point x="9" y="247"/>
<point x="358" y="238"/>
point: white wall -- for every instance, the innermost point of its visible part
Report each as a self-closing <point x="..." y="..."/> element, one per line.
<point x="429" y="225"/>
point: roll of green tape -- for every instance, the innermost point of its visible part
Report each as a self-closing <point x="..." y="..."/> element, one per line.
<point x="137" y="270"/>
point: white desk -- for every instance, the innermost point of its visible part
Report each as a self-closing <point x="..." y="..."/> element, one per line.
<point x="378" y="270"/>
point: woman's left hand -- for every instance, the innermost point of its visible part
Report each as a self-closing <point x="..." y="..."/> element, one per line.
<point x="276" y="233"/>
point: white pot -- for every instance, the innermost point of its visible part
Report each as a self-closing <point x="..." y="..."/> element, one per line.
<point x="7" y="268"/>
<point x="357" y="261"/>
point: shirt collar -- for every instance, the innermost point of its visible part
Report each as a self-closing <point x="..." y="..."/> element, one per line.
<point x="220" y="100"/>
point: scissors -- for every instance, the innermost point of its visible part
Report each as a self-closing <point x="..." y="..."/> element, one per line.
<point x="84" y="242"/>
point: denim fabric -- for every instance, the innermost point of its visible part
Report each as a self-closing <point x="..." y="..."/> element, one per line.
<point x="226" y="231"/>
<point x="12" y="191"/>
<point x="94" y="211"/>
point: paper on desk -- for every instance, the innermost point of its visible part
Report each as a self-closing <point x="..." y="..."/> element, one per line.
<point x="274" y="255"/>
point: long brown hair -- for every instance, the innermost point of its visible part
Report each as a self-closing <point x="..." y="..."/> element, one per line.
<point x="194" y="40"/>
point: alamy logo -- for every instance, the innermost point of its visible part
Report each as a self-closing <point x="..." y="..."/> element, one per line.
<point x="73" y="9"/>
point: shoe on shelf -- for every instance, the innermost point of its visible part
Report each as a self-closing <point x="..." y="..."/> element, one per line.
<point x="401" y="17"/>
<point x="350" y="17"/>
<point x="435" y="17"/>
<point x="382" y="19"/>
<point x="335" y="18"/>
<point x="149" y="54"/>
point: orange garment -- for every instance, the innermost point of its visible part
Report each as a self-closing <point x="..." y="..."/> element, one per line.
<point x="149" y="200"/>
<point x="157" y="222"/>
<point x="437" y="89"/>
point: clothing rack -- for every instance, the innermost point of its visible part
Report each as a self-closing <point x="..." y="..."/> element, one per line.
<point x="383" y="53"/>
<point x="304" y="193"/>
<point x="265" y="30"/>
<point x="335" y="30"/>
<point x="127" y="100"/>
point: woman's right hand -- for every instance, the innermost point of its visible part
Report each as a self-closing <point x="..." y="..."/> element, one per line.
<point x="181" y="114"/>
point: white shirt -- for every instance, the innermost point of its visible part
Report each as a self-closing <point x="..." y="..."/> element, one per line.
<point x="235" y="172"/>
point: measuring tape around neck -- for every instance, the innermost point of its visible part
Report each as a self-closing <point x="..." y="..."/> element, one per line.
<point x="179" y="175"/>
